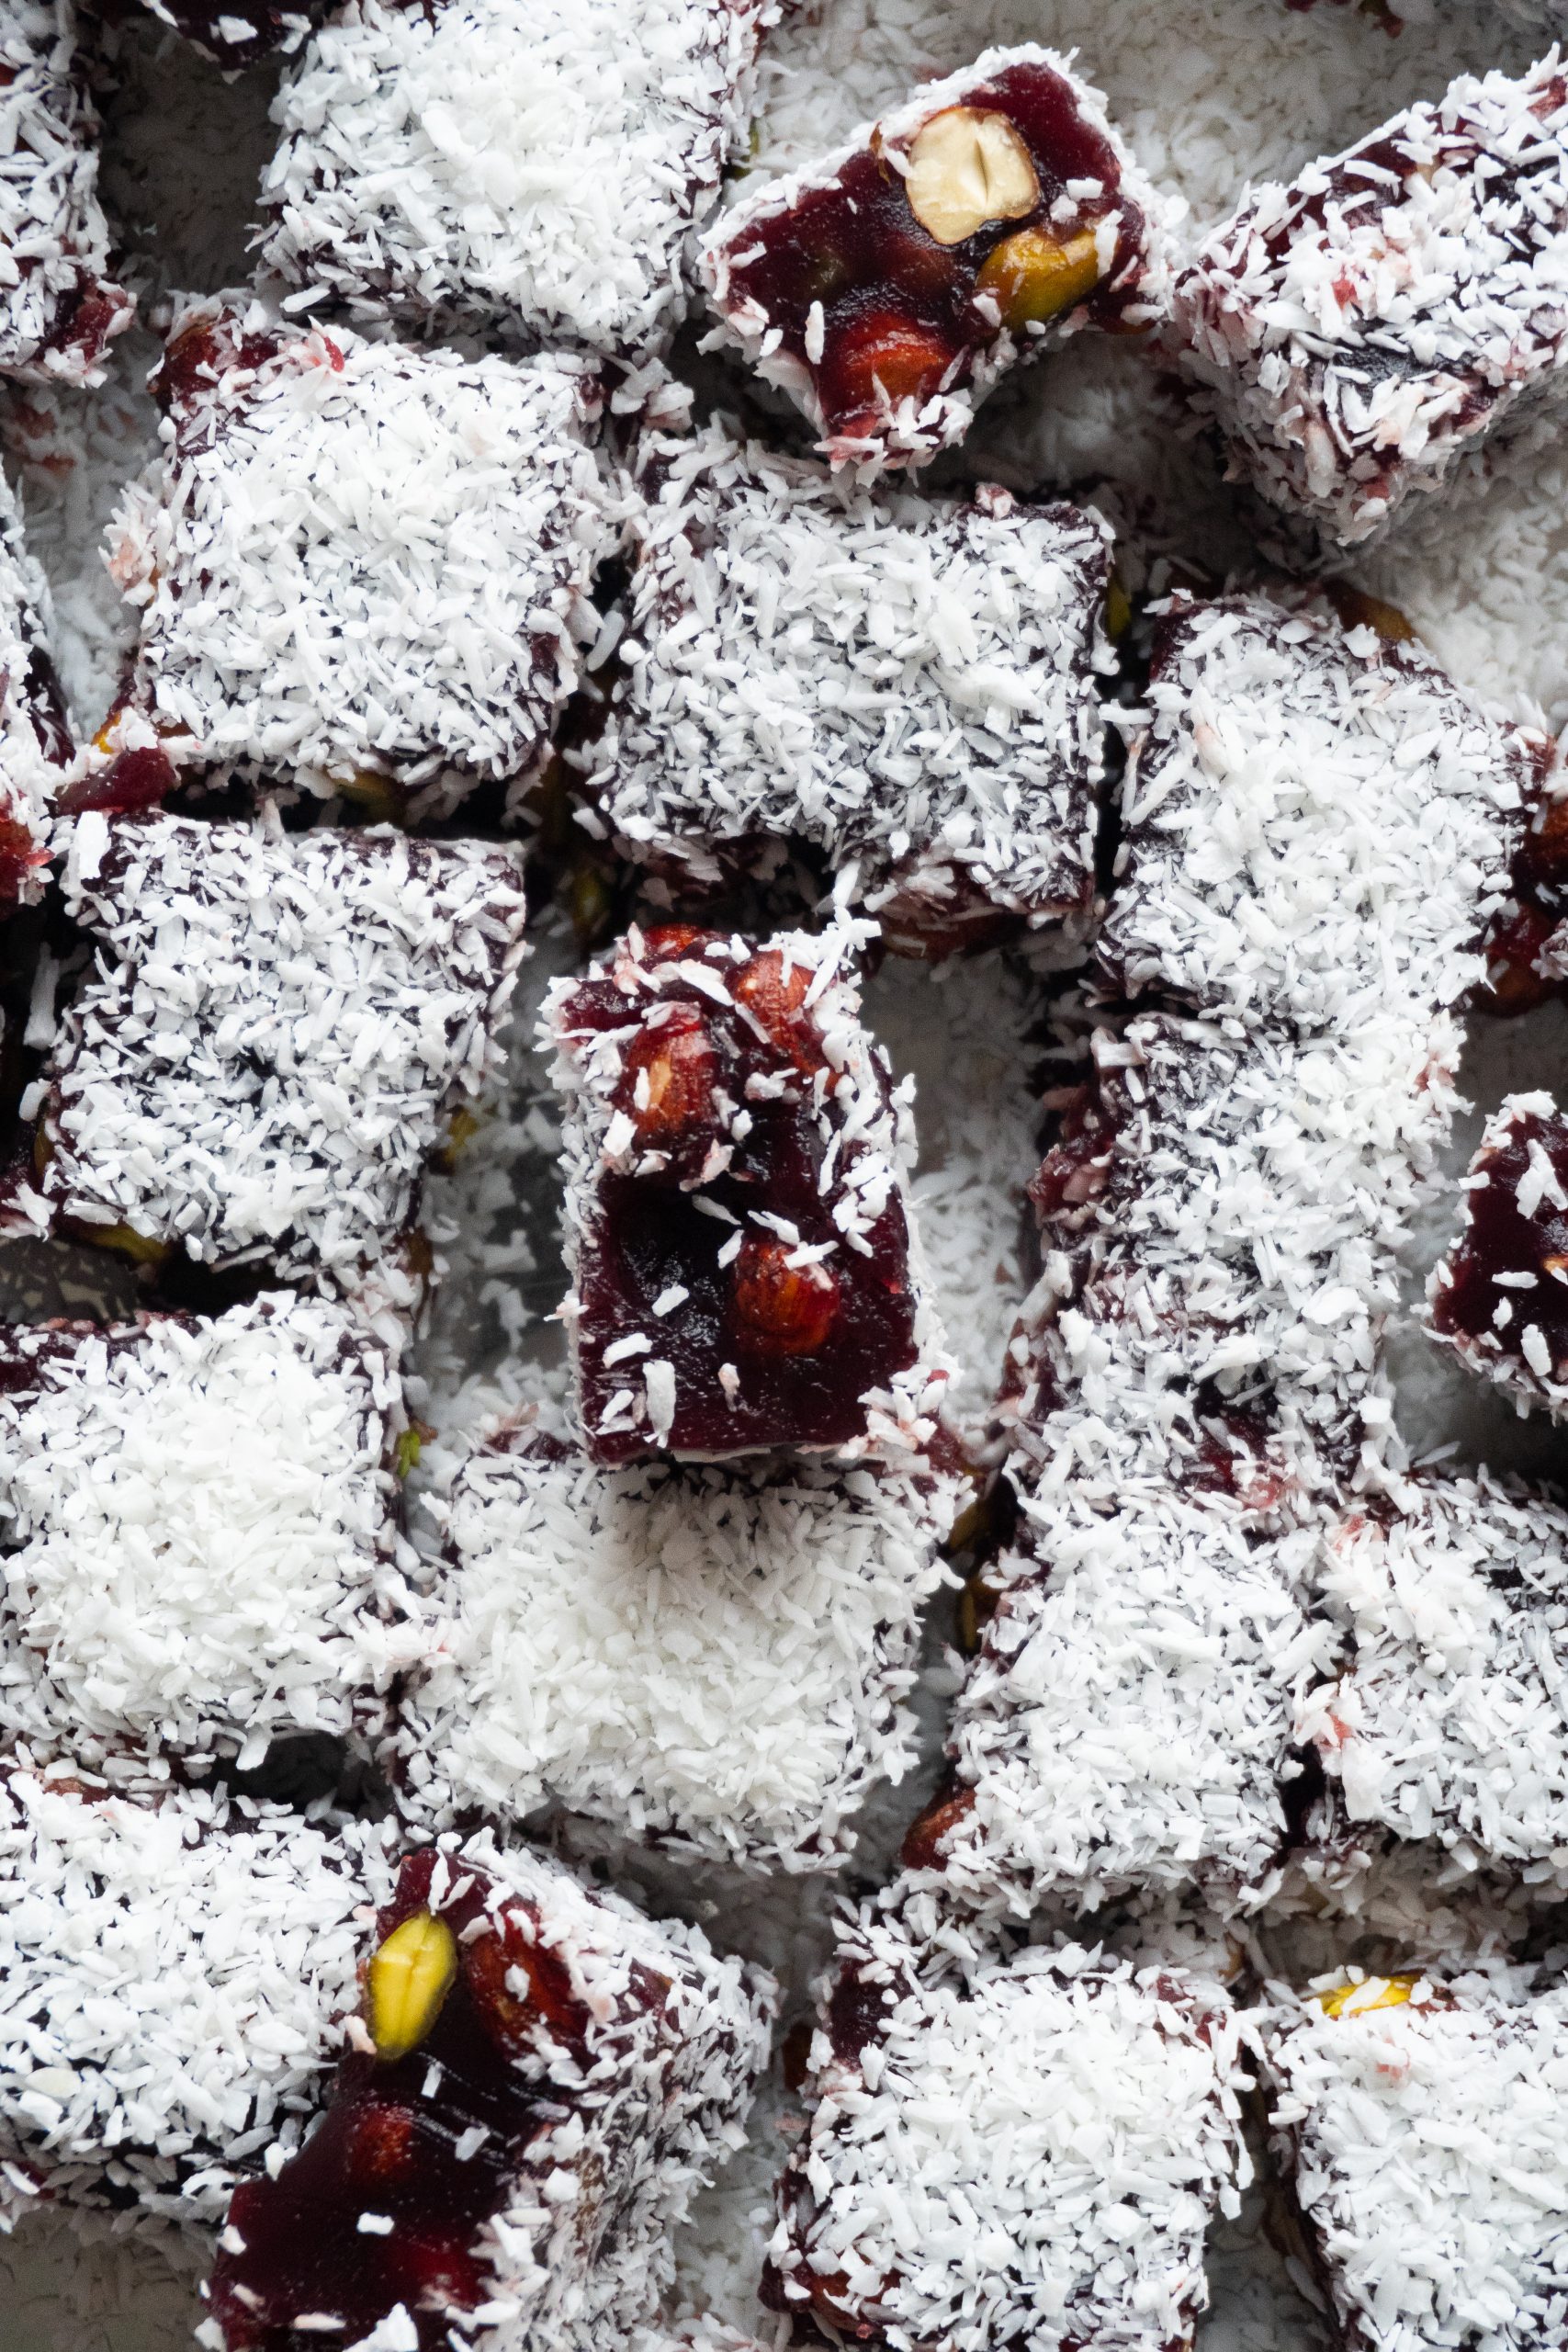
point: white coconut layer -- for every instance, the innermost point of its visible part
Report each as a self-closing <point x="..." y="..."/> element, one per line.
<point x="1357" y="333"/>
<point x="1018" y="2150"/>
<point x="276" y="1034"/>
<point x="173" y="1973"/>
<point x="1318" y="824"/>
<point x="54" y="240"/>
<point x="908" y="683"/>
<point x="355" y="560"/>
<point x="1447" y="1724"/>
<point x="712" y="1659"/>
<point x="1424" y="2144"/>
<point x="28" y="777"/>
<point x="535" y="166"/>
<point x="199" y="1530"/>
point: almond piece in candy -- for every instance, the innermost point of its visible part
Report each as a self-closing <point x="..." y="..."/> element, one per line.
<point x="784" y="1310"/>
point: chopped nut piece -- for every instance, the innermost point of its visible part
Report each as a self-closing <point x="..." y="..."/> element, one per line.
<point x="376" y="797"/>
<point x="1031" y="277"/>
<point x="925" y="1839"/>
<point x="787" y="1310"/>
<point x="775" y="1000"/>
<point x="670" y="1075"/>
<point x="966" y="168"/>
<point x="1367" y="1992"/>
<point x="409" y="1978"/>
<point x="381" y="2144"/>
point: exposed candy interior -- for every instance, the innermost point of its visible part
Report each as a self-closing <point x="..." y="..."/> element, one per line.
<point x="473" y="2022"/>
<point x="714" y="1246"/>
<point x="883" y="282"/>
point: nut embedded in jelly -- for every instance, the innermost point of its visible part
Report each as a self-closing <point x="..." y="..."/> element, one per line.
<point x="966" y="167"/>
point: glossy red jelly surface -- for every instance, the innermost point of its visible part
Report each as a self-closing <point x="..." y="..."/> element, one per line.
<point x="388" y="2146"/>
<point x="133" y="781"/>
<point x="806" y="1342"/>
<point x="899" y="308"/>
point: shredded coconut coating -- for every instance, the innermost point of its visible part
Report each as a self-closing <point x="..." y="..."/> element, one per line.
<point x="1424" y="2145"/>
<point x="536" y="167"/>
<point x="57" y="307"/>
<point x="650" y="1378"/>
<point x="172" y="1975"/>
<point x="1359" y="333"/>
<point x="1222" y="1215"/>
<point x="912" y="428"/>
<point x="34" y="739"/>
<point x="1002" y="2152"/>
<point x="660" y="2102"/>
<point x="1128" y="1723"/>
<point x="633" y="2112"/>
<point x="1318" y="824"/>
<point x="1447" y="1720"/>
<point x="1194" y="1381"/>
<point x="908" y="683"/>
<point x="237" y="33"/>
<point x="356" y="561"/>
<point x="1500" y="1298"/>
<point x="199" y="1537"/>
<point x="276" y="1031"/>
<point x="711" y="1661"/>
<point x="705" y="2335"/>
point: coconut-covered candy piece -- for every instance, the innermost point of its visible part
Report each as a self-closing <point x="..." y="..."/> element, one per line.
<point x="1358" y="334"/>
<point x="537" y="2080"/>
<point x="174" y="1971"/>
<point x="888" y="289"/>
<point x="1418" y="2119"/>
<point x="59" y="309"/>
<point x="1128" y="1724"/>
<point x="1221" y="1212"/>
<point x="1195" y="1376"/>
<point x="1005" y="2151"/>
<point x="738" y="1223"/>
<point x="1500" y="1298"/>
<point x="906" y="684"/>
<point x="1450" y="1602"/>
<point x="711" y="1659"/>
<point x="531" y="167"/>
<point x="1318" y="825"/>
<point x="275" y="1035"/>
<point x="359" y="568"/>
<point x="198" y="1525"/>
